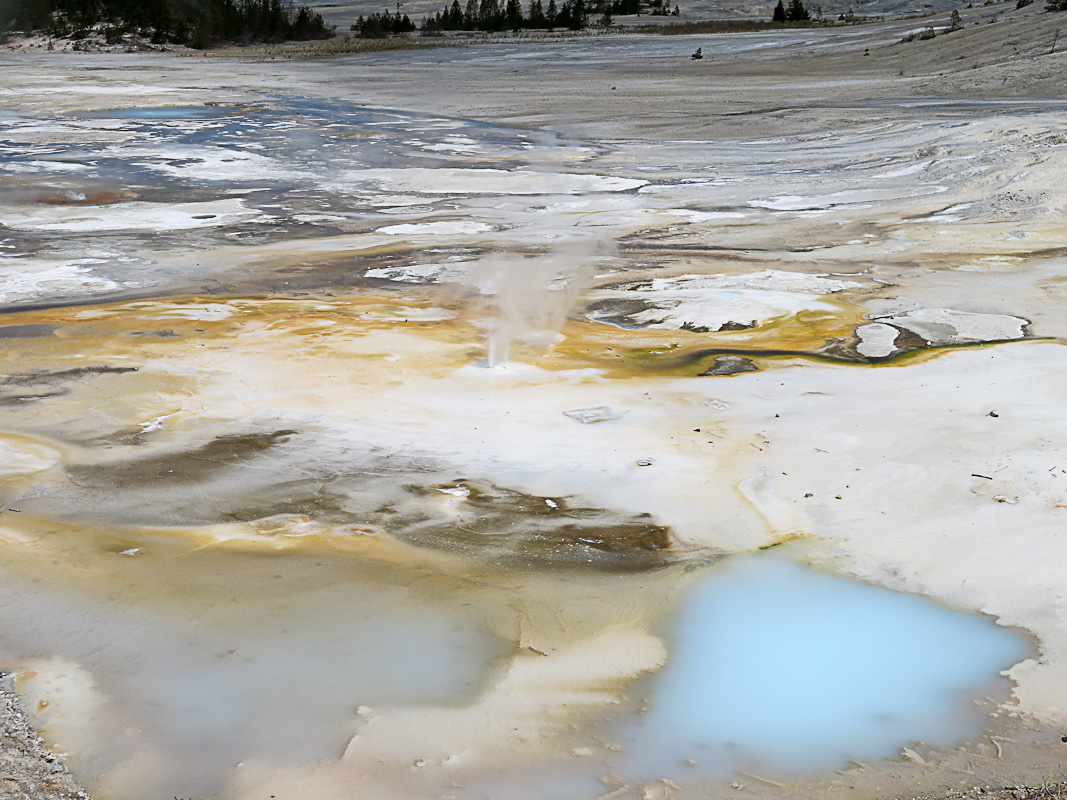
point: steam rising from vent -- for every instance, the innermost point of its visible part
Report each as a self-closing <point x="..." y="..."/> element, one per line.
<point x="527" y="298"/>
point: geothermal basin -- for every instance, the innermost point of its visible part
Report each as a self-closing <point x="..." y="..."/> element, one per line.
<point x="362" y="440"/>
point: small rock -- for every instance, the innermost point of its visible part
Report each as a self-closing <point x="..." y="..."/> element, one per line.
<point x="588" y="416"/>
<point x="911" y="755"/>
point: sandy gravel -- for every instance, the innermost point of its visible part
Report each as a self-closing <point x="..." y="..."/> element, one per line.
<point x="27" y="770"/>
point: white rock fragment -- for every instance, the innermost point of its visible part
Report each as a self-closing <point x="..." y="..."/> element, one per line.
<point x="130" y="216"/>
<point x="457" y="491"/>
<point x="587" y="416"/>
<point x="28" y="279"/>
<point x="485" y="181"/>
<point x="949" y="326"/>
<point x="444" y="228"/>
<point x="853" y="197"/>
<point x="709" y="302"/>
<point x="414" y="273"/>
<point x="877" y="340"/>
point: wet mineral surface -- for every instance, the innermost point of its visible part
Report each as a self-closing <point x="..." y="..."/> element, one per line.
<point x="358" y="435"/>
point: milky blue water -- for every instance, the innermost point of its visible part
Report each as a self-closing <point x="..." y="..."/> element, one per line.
<point x="781" y="669"/>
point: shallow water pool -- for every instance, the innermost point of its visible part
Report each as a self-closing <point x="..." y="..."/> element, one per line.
<point x="782" y="669"/>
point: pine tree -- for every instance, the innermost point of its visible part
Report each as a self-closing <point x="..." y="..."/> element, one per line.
<point x="490" y="17"/>
<point x="779" y="12"/>
<point x="513" y="15"/>
<point x="579" y="17"/>
<point x="537" y="15"/>
<point x="797" y="12"/>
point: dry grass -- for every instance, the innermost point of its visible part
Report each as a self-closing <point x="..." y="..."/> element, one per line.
<point x="350" y="45"/>
<point x="723" y="26"/>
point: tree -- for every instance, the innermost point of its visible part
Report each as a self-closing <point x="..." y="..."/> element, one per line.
<point x="797" y="12"/>
<point x="453" y="19"/>
<point x="779" y="12"/>
<point x="537" y="15"/>
<point x="513" y="15"/>
<point x="579" y="16"/>
<point x="551" y="15"/>
<point x="490" y="17"/>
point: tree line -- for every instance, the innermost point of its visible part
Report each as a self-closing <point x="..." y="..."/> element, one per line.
<point x="492" y="15"/>
<point x="501" y="15"/>
<point x="198" y="23"/>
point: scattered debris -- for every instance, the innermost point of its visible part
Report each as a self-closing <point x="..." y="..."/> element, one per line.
<point x="587" y="416"/>
<point x="911" y="755"/>
<point x="762" y="780"/>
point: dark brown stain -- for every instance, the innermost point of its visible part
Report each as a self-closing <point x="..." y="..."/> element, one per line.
<point x="506" y="528"/>
<point x="188" y="467"/>
<point x="60" y="376"/>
